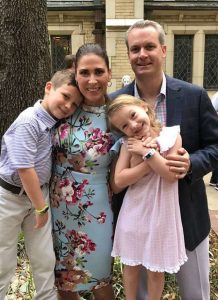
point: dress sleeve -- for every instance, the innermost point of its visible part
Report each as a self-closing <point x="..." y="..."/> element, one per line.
<point x="167" y="137"/>
<point x="115" y="149"/>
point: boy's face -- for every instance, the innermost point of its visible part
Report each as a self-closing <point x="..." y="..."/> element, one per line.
<point x="61" y="102"/>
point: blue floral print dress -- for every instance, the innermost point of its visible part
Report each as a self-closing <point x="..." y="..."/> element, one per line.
<point x="80" y="200"/>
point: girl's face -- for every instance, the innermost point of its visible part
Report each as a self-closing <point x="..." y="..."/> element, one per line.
<point x="93" y="76"/>
<point x="132" y="120"/>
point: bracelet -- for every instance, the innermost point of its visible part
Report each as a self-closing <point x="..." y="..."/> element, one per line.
<point x="149" y="154"/>
<point x="43" y="210"/>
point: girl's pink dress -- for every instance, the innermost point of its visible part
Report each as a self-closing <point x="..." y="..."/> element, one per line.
<point x="149" y="230"/>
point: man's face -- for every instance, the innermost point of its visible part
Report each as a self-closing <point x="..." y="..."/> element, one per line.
<point x="146" y="54"/>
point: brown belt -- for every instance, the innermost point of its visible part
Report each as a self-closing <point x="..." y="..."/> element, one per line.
<point x="10" y="187"/>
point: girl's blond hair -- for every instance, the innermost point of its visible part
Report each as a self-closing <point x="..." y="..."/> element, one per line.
<point x="125" y="100"/>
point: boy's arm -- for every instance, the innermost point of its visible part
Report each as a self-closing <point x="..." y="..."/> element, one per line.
<point x="126" y="175"/>
<point x="31" y="185"/>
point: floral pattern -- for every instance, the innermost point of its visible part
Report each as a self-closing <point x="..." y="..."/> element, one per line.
<point x="81" y="211"/>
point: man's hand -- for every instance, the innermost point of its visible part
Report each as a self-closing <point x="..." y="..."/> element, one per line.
<point x="179" y="163"/>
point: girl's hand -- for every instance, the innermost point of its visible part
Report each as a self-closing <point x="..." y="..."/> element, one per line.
<point x="41" y="220"/>
<point x="150" y="142"/>
<point x="135" y="146"/>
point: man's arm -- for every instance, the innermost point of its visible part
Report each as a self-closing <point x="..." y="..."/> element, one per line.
<point x="203" y="155"/>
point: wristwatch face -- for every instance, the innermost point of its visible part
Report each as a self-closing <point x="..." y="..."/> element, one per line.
<point x="149" y="154"/>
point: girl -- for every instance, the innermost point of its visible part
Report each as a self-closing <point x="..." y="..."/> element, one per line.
<point x="149" y="231"/>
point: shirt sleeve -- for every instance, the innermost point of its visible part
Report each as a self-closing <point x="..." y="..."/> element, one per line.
<point x="22" y="146"/>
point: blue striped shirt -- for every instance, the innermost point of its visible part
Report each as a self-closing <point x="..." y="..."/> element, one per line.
<point x="27" y="144"/>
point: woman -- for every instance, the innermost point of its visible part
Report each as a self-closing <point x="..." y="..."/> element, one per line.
<point x="82" y="215"/>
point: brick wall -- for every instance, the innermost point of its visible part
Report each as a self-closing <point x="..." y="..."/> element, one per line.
<point x="124" y="9"/>
<point x="120" y="63"/>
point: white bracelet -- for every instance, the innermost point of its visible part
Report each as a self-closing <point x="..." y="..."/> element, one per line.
<point x="149" y="154"/>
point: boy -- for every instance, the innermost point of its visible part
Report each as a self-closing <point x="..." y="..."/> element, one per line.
<point x="25" y="167"/>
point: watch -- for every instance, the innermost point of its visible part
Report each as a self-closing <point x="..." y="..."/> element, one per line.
<point x="149" y="154"/>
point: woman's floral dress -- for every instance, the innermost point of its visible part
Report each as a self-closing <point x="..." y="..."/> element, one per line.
<point x="80" y="199"/>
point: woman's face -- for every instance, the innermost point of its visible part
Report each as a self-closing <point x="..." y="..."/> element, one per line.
<point x="93" y="76"/>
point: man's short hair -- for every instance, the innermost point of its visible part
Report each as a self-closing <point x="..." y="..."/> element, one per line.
<point x="147" y="23"/>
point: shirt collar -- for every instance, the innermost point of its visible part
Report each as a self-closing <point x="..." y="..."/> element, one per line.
<point x="162" y="89"/>
<point x="43" y="115"/>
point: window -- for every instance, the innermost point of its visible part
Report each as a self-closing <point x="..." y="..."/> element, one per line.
<point x="183" y="54"/>
<point x="60" y="46"/>
<point x="211" y="62"/>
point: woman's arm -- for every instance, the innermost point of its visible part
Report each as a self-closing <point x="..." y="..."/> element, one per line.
<point x="126" y="175"/>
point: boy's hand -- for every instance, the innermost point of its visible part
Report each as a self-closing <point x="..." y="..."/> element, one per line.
<point x="41" y="220"/>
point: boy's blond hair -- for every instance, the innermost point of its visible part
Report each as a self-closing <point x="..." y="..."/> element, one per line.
<point x="124" y="100"/>
<point x="62" y="77"/>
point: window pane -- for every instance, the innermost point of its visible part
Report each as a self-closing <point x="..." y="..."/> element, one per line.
<point x="211" y="62"/>
<point x="183" y="50"/>
<point x="60" y="46"/>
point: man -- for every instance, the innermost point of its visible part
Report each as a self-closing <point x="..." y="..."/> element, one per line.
<point x="179" y="103"/>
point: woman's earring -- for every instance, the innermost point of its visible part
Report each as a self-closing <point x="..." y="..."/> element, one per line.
<point x="109" y="84"/>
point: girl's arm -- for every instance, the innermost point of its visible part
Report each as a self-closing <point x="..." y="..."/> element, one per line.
<point x="158" y="163"/>
<point x="115" y="189"/>
<point x="125" y="175"/>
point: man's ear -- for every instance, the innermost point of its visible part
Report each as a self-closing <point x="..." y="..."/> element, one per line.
<point x="164" y="50"/>
<point x="48" y="87"/>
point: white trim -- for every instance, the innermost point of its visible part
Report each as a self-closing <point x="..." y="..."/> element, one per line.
<point x="121" y="22"/>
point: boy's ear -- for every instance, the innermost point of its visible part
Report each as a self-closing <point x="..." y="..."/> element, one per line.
<point x="48" y="87"/>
